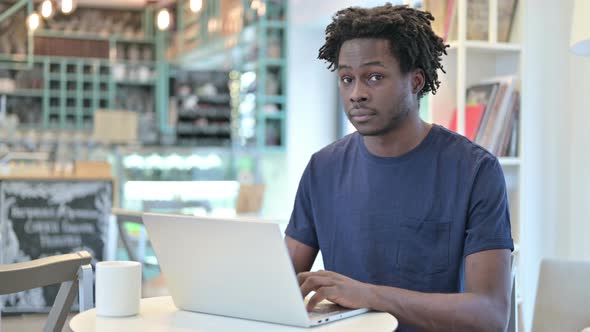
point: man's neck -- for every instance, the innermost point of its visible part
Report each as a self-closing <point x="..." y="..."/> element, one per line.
<point x="400" y="140"/>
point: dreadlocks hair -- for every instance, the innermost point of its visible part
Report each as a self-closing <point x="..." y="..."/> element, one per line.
<point x="410" y="35"/>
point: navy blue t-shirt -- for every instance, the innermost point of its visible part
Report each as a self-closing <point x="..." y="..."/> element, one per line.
<point x="405" y="221"/>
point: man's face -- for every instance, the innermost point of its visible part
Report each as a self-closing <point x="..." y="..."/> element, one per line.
<point x="376" y="95"/>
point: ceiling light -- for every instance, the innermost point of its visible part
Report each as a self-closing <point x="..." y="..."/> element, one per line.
<point x="163" y="19"/>
<point x="196" y="5"/>
<point x="67" y="6"/>
<point x="46" y="8"/>
<point x="262" y="9"/>
<point x="33" y="21"/>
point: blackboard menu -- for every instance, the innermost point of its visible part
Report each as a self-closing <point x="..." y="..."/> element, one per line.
<point x="46" y="218"/>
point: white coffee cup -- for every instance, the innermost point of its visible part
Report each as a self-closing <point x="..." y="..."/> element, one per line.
<point x="118" y="288"/>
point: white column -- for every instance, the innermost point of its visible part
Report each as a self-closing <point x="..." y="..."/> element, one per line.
<point x="312" y="94"/>
<point x="546" y="127"/>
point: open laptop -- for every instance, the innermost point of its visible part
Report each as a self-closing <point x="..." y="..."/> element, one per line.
<point x="233" y="267"/>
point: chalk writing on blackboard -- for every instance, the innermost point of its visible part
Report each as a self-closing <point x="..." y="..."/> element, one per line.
<point x="45" y="218"/>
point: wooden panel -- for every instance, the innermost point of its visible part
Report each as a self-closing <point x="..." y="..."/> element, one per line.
<point x="71" y="47"/>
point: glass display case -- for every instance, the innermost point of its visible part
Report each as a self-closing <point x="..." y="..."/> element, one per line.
<point x="181" y="180"/>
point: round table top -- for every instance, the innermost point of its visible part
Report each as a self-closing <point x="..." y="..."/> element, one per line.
<point x="160" y="314"/>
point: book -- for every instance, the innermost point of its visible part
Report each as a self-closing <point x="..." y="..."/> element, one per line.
<point x="508" y="126"/>
<point x="478" y="99"/>
<point x="473" y="115"/>
<point x="478" y="17"/>
<point x="486" y="131"/>
<point x="450" y="19"/>
<point x="513" y="145"/>
<point x="506" y="13"/>
<point x="438" y="9"/>
<point x="495" y="128"/>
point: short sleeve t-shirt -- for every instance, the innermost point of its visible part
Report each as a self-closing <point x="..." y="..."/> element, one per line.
<point x="405" y="221"/>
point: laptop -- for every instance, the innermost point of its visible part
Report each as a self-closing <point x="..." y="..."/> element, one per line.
<point x="233" y="267"/>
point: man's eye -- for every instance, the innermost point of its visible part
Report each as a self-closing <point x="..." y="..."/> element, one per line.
<point x="346" y="79"/>
<point x="375" y="77"/>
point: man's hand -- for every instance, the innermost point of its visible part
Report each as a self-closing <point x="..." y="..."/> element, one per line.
<point x="334" y="287"/>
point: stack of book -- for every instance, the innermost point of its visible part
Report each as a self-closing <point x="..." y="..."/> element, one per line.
<point x="492" y="115"/>
<point x="478" y="16"/>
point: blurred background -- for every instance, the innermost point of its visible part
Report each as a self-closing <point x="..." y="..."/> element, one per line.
<point x="215" y="107"/>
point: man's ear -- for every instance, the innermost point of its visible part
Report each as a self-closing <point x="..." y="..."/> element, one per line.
<point x="418" y="80"/>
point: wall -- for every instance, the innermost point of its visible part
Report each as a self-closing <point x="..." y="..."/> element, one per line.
<point x="311" y="101"/>
<point x="558" y="158"/>
<point x="579" y="85"/>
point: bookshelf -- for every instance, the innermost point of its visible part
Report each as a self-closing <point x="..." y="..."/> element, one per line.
<point x="248" y="39"/>
<point x="95" y="58"/>
<point x="471" y="62"/>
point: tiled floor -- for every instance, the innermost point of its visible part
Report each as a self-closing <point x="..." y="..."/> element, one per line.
<point x="35" y="322"/>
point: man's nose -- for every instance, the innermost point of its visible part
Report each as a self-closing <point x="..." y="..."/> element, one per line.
<point x="359" y="93"/>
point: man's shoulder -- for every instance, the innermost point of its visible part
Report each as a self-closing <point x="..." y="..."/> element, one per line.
<point x="337" y="149"/>
<point x="455" y="146"/>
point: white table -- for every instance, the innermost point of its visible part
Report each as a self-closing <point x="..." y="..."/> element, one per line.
<point x="160" y="314"/>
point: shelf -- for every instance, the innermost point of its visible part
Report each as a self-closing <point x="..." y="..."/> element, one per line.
<point x="75" y="77"/>
<point x="23" y="93"/>
<point x="89" y="36"/>
<point x="136" y="82"/>
<point x="509" y="161"/>
<point x="101" y="78"/>
<point x="273" y="116"/>
<point x="13" y="57"/>
<point x="251" y="66"/>
<point x="190" y="129"/>
<point x="273" y="99"/>
<point x="215" y="99"/>
<point x="487" y="47"/>
<point x="206" y="113"/>
<point x="127" y="62"/>
<point x="71" y="110"/>
<point x="99" y="94"/>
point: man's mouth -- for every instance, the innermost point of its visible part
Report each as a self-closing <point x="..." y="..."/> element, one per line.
<point x="361" y="115"/>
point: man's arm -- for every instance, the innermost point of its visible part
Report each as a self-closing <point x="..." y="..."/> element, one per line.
<point x="483" y="307"/>
<point x="301" y="254"/>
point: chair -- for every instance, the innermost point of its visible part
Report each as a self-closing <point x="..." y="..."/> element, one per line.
<point x="155" y="286"/>
<point x="71" y="270"/>
<point x="513" y="322"/>
<point x="563" y="295"/>
<point x="125" y="216"/>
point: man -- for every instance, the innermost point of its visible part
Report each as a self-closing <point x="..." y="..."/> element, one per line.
<point x="411" y="219"/>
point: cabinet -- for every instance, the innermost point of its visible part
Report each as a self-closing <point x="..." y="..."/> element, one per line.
<point x="95" y="58"/>
<point x="201" y="103"/>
